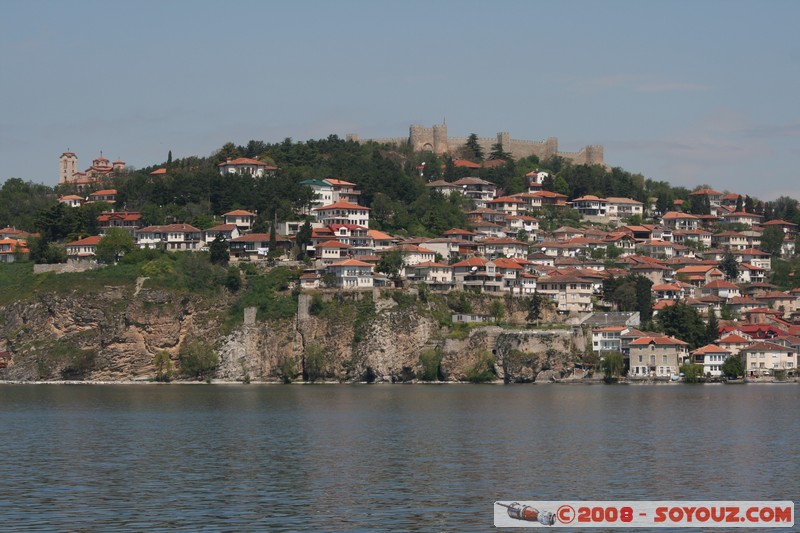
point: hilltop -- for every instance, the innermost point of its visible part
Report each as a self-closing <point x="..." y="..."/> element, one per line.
<point x="266" y="226"/>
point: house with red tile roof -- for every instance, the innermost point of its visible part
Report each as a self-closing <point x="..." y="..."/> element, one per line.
<point x="509" y="205"/>
<point x="570" y="293"/>
<point x="342" y="213"/>
<point x="170" y="237"/>
<point x="242" y="218"/>
<point x="754" y="257"/>
<point x="479" y="190"/>
<point x="435" y="275"/>
<point x="788" y="227"/>
<point x="765" y="358"/>
<point x="492" y="247"/>
<point x="590" y="206"/>
<point x="244" y="165"/>
<point x="699" y="275"/>
<point x="680" y="221"/>
<point x="742" y="217"/>
<point x="659" y="356"/>
<point x="720" y="287"/>
<point x="130" y="221"/>
<point x="712" y="358"/>
<point x="608" y="339"/>
<point x="71" y="200"/>
<point x="83" y="248"/>
<point x="104" y="195"/>
<point x="351" y="274"/>
<point x="734" y="343"/>
<point x="551" y="198"/>
<point x="444" y="187"/>
<point x="226" y="232"/>
<point x="330" y="252"/>
<point x="623" y="208"/>
<point x="11" y="248"/>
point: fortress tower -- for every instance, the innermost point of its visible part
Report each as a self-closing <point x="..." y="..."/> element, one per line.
<point x="67" y="166"/>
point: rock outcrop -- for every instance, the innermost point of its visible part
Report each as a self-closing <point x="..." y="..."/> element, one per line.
<point x="115" y="336"/>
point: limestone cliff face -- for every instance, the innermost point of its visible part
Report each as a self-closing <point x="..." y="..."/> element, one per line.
<point x="115" y="335"/>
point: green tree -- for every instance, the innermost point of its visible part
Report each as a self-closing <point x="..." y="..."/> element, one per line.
<point x="197" y="359"/>
<point x="116" y="243"/>
<point x="612" y="365"/>
<point x="303" y="239"/>
<point x="163" y="365"/>
<point x="726" y="313"/>
<point x="534" y="307"/>
<point x="233" y="279"/>
<point x="498" y="153"/>
<point x="733" y="367"/>
<point x="561" y="186"/>
<point x="644" y="297"/>
<point x="219" y="251"/>
<point x="739" y="204"/>
<point x="692" y="373"/>
<point x="712" y="326"/>
<point x="729" y="266"/>
<point x="391" y="264"/>
<point x="497" y="310"/>
<point x="473" y="148"/>
<point x="772" y="240"/>
<point x="683" y="322"/>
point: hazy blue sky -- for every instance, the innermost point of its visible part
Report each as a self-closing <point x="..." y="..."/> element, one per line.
<point x="685" y="91"/>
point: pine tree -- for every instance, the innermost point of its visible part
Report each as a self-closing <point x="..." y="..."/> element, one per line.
<point x="712" y="326"/>
<point x="739" y="204"/>
<point x="748" y="204"/>
<point x="498" y="153"/>
<point x="474" y="148"/>
<point x="729" y="266"/>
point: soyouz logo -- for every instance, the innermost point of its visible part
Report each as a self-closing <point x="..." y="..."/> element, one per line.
<point x="700" y="514"/>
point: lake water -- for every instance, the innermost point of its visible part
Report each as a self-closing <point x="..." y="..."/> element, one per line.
<point x="378" y="457"/>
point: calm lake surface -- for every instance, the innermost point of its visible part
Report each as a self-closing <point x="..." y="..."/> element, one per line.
<point x="378" y="457"/>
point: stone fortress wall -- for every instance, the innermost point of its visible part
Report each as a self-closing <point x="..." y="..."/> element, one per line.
<point x="435" y="139"/>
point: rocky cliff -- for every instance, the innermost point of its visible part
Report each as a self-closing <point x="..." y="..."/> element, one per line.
<point x="115" y="335"/>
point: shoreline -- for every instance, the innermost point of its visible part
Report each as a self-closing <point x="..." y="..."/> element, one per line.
<point x="498" y="382"/>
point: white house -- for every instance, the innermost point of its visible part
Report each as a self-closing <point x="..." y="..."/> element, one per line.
<point x="244" y="220"/>
<point x="608" y="339"/>
<point x="352" y="274"/>
<point x="226" y="232"/>
<point x="590" y="205"/>
<point x="343" y="213"/>
<point x="71" y="200"/>
<point x="173" y="237"/>
<point x="621" y="208"/>
<point x="243" y="165"/>
<point x="432" y="273"/>
<point x="86" y="247"/>
<point x="711" y="357"/>
<point x="764" y="358"/>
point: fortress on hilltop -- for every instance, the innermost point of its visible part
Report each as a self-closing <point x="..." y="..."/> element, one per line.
<point x="435" y="139"/>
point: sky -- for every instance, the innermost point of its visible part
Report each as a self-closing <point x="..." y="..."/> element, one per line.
<point x="689" y="92"/>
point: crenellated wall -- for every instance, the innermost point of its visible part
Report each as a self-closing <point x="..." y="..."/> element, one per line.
<point x="436" y="140"/>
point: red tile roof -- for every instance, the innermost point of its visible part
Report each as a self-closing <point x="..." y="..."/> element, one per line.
<point x="94" y="240"/>
<point x="246" y="161"/>
<point x="662" y="341"/>
<point x="342" y="205"/>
